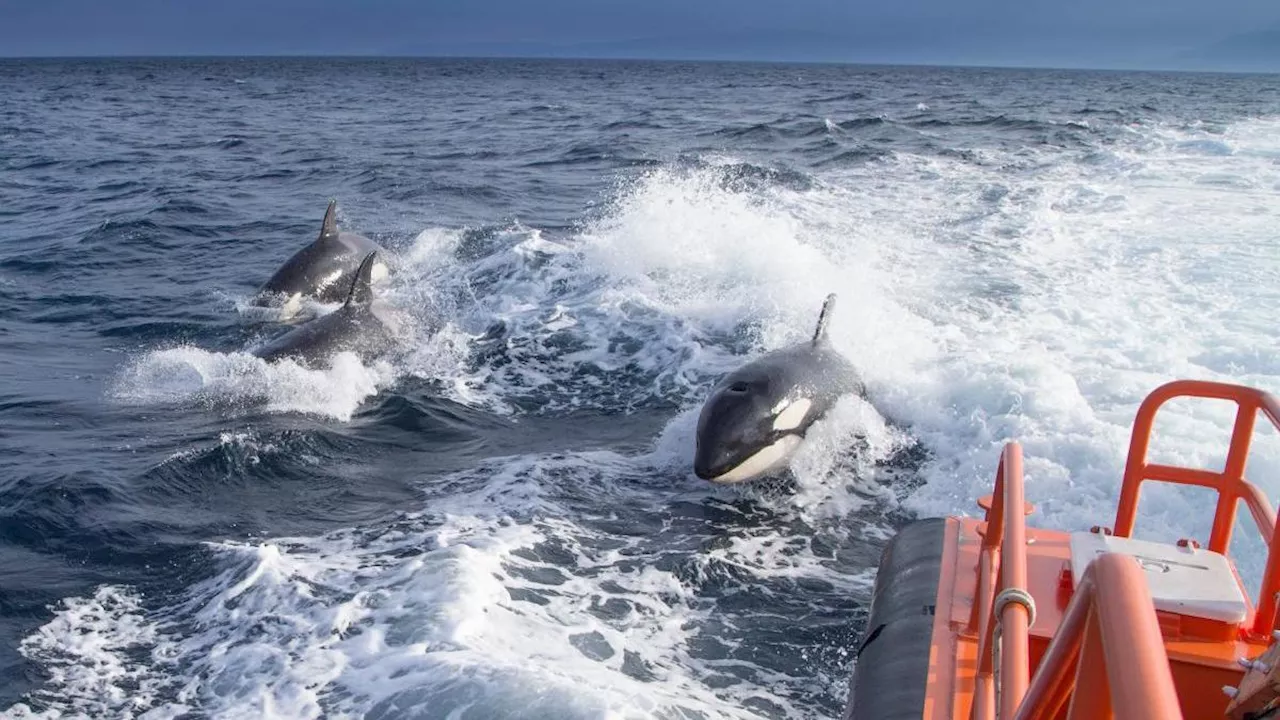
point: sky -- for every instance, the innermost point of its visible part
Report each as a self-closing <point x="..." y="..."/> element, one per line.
<point x="1182" y="34"/>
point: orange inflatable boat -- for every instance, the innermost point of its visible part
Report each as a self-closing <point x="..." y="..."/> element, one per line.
<point x="986" y="618"/>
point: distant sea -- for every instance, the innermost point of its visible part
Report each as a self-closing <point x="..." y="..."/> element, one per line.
<point x="500" y="520"/>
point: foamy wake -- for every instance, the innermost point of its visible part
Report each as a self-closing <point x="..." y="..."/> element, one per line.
<point x="1036" y="295"/>
<point x="492" y="601"/>
<point x="982" y="304"/>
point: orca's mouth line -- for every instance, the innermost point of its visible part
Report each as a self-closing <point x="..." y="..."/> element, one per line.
<point x="743" y="452"/>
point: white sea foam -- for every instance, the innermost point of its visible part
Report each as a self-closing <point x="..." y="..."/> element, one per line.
<point x="189" y="374"/>
<point x="94" y="651"/>
<point x="492" y="600"/>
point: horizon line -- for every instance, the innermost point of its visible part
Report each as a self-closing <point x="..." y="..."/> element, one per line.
<point x="591" y="58"/>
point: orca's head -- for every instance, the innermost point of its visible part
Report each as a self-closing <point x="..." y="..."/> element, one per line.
<point x="749" y="427"/>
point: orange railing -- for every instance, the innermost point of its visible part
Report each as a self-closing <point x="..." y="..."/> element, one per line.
<point x="1230" y="483"/>
<point x="1111" y="635"/>
<point x="1004" y="551"/>
<point x="1110" y="622"/>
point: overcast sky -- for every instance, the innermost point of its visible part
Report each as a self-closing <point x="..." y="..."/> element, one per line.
<point x="1106" y="33"/>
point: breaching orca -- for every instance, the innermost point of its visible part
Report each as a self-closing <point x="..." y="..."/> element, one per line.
<point x="360" y="326"/>
<point x="756" y="416"/>
<point x="321" y="270"/>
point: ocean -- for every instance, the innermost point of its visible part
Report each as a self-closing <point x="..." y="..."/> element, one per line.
<point x="501" y="519"/>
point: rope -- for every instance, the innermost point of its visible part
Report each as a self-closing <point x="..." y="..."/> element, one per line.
<point x="1006" y="596"/>
<point x="1015" y="595"/>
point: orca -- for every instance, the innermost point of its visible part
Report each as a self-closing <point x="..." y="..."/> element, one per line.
<point x="361" y="326"/>
<point x="756" y="416"/>
<point x="320" y="271"/>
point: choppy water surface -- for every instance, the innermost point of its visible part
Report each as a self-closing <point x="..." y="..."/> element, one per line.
<point x="501" y="520"/>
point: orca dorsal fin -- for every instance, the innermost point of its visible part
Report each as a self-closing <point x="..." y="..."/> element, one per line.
<point x="329" y="228"/>
<point x="824" y="318"/>
<point x="362" y="286"/>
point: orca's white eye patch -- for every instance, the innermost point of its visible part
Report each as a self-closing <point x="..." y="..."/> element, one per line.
<point x="793" y="415"/>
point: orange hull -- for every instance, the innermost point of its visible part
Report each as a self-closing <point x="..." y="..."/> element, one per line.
<point x="1031" y="623"/>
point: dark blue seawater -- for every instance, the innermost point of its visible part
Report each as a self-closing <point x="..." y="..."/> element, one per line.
<point x="502" y="521"/>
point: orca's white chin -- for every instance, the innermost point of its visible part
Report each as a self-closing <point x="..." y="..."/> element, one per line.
<point x="761" y="462"/>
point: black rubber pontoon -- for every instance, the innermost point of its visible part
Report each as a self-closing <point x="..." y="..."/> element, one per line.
<point x="892" y="665"/>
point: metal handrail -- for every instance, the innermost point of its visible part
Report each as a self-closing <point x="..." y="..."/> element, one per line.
<point x="1004" y="550"/>
<point x="1230" y="483"/>
<point x="1111" y="636"/>
<point x="1110" y="633"/>
<point x="1110" y="626"/>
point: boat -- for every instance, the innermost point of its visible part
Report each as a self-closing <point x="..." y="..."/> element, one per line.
<point x="985" y="618"/>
